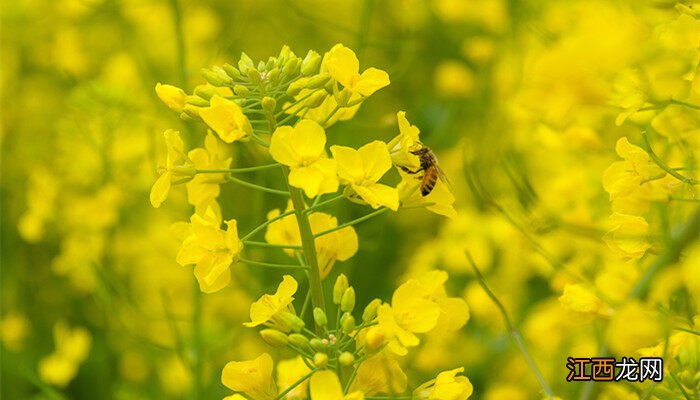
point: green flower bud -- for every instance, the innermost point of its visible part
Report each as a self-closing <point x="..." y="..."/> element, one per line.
<point x="216" y="77"/>
<point x="348" y="323"/>
<point x="317" y="344"/>
<point x="293" y="322"/>
<point x="346" y="359"/>
<point x="244" y="64"/>
<point x="311" y="63"/>
<point x="241" y="90"/>
<point x="318" y="81"/>
<point x="347" y="303"/>
<point x="269" y="104"/>
<point x="370" y="312"/>
<point x="316" y="99"/>
<point x="205" y="92"/>
<point x="341" y="285"/>
<point x="320" y="360"/>
<point x="294" y="88"/>
<point x="273" y="76"/>
<point x="320" y="317"/>
<point x="232" y="71"/>
<point x="274" y="338"/>
<point x="300" y="341"/>
<point x="192" y="111"/>
<point x="196" y="101"/>
<point x="291" y="67"/>
<point x="342" y="97"/>
<point x="254" y="75"/>
<point x="285" y="53"/>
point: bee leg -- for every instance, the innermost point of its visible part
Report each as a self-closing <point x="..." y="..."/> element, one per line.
<point x="408" y="171"/>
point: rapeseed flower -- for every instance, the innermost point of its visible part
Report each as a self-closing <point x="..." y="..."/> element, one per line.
<point x="344" y="68"/>
<point x="178" y="168"/>
<point x="253" y="378"/>
<point x="226" y="118"/>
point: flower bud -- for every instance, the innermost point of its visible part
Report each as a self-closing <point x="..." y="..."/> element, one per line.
<point x="317" y="81"/>
<point x="320" y="360"/>
<point x="254" y="75"/>
<point x="244" y="64"/>
<point x="292" y="322"/>
<point x="341" y="285"/>
<point x="205" y="92"/>
<point x="273" y="76"/>
<point x="295" y="87"/>
<point x="346" y="359"/>
<point x="268" y="104"/>
<point x="370" y="312"/>
<point x="347" y="323"/>
<point x="291" y="67"/>
<point x="347" y="303"/>
<point x="191" y="110"/>
<point x="342" y="97"/>
<point x="216" y="77"/>
<point x="172" y="96"/>
<point x="311" y="63"/>
<point x="374" y="338"/>
<point x="232" y="71"/>
<point x="285" y="53"/>
<point x="299" y="340"/>
<point x="241" y="90"/>
<point x="317" y="344"/>
<point x="196" y="101"/>
<point x="320" y="317"/>
<point x="316" y="99"/>
<point x="274" y="338"/>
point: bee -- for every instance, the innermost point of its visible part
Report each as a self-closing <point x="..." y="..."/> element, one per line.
<point x="430" y="168"/>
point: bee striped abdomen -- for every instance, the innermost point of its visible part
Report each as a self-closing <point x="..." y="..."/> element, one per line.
<point x="430" y="178"/>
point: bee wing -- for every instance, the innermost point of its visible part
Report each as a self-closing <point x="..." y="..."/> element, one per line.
<point x="442" y="176"/>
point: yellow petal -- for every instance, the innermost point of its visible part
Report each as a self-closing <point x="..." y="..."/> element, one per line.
<point x="160" y="189"/>
<point x="342" y="64"/>
<point x="371" y="80"/>
<point x="226" y="118"/>
<point x="377" y="195"/>
<point x="172" y="96"/>
<point x="349" y="164"/>
<point x="376" y="160"/>
<point x="325" y="385"/>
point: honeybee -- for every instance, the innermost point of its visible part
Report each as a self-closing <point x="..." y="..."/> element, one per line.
<point x="430" y="168"/>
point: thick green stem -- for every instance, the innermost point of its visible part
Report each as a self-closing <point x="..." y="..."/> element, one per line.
<point x="308" y="245"/>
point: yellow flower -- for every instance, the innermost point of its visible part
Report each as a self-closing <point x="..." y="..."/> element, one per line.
<point x="211" y="249"/>
<point x="226" y="118"/>
<point x="320" y="113"/>
<point x="376" y="373"/>
<point x="340" y="245"/>
<point x="440" y="199"/>
<point x="212" y="156"/>
<point x="362" y="168"/>
<point x="454" y="79"/>
<point x="72" y="348"/>
<point x="344" y="67"/>
<point x="252" y="378"/>
<point x="14" y="328"/>
<point x="274" y="308"/>
<point x="578" y="298"/>
<point x="290" y="371"/>
<point x="325" y="385"/>
<point x="172" y="96"/>
<point x="628" y="236"/>
<point x="302" y="149"/>
<point x="631" y="328"/>
<point x="401" y="146"/>
<point x="446" y="386"/>
<point x="178" y="168"/>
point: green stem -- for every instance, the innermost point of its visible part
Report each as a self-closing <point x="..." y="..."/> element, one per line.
<point x="512" y="329"/>
<point x="197" y="340"/>
<point x="332" y="113"/>
<point x="271" y="265"/>
<point x="265" y="244"/>
<point x="266" y="223"/>
<point x="320" y="204"/>
<point x="684" y="103"/>
<point x="257" y="187"/>
<point x="237" y="170"/>
<point x="657" y="160"/>
<point x="353" y="222"/>
<point x="295" y="384"/>
<point x="308" y="245"/>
